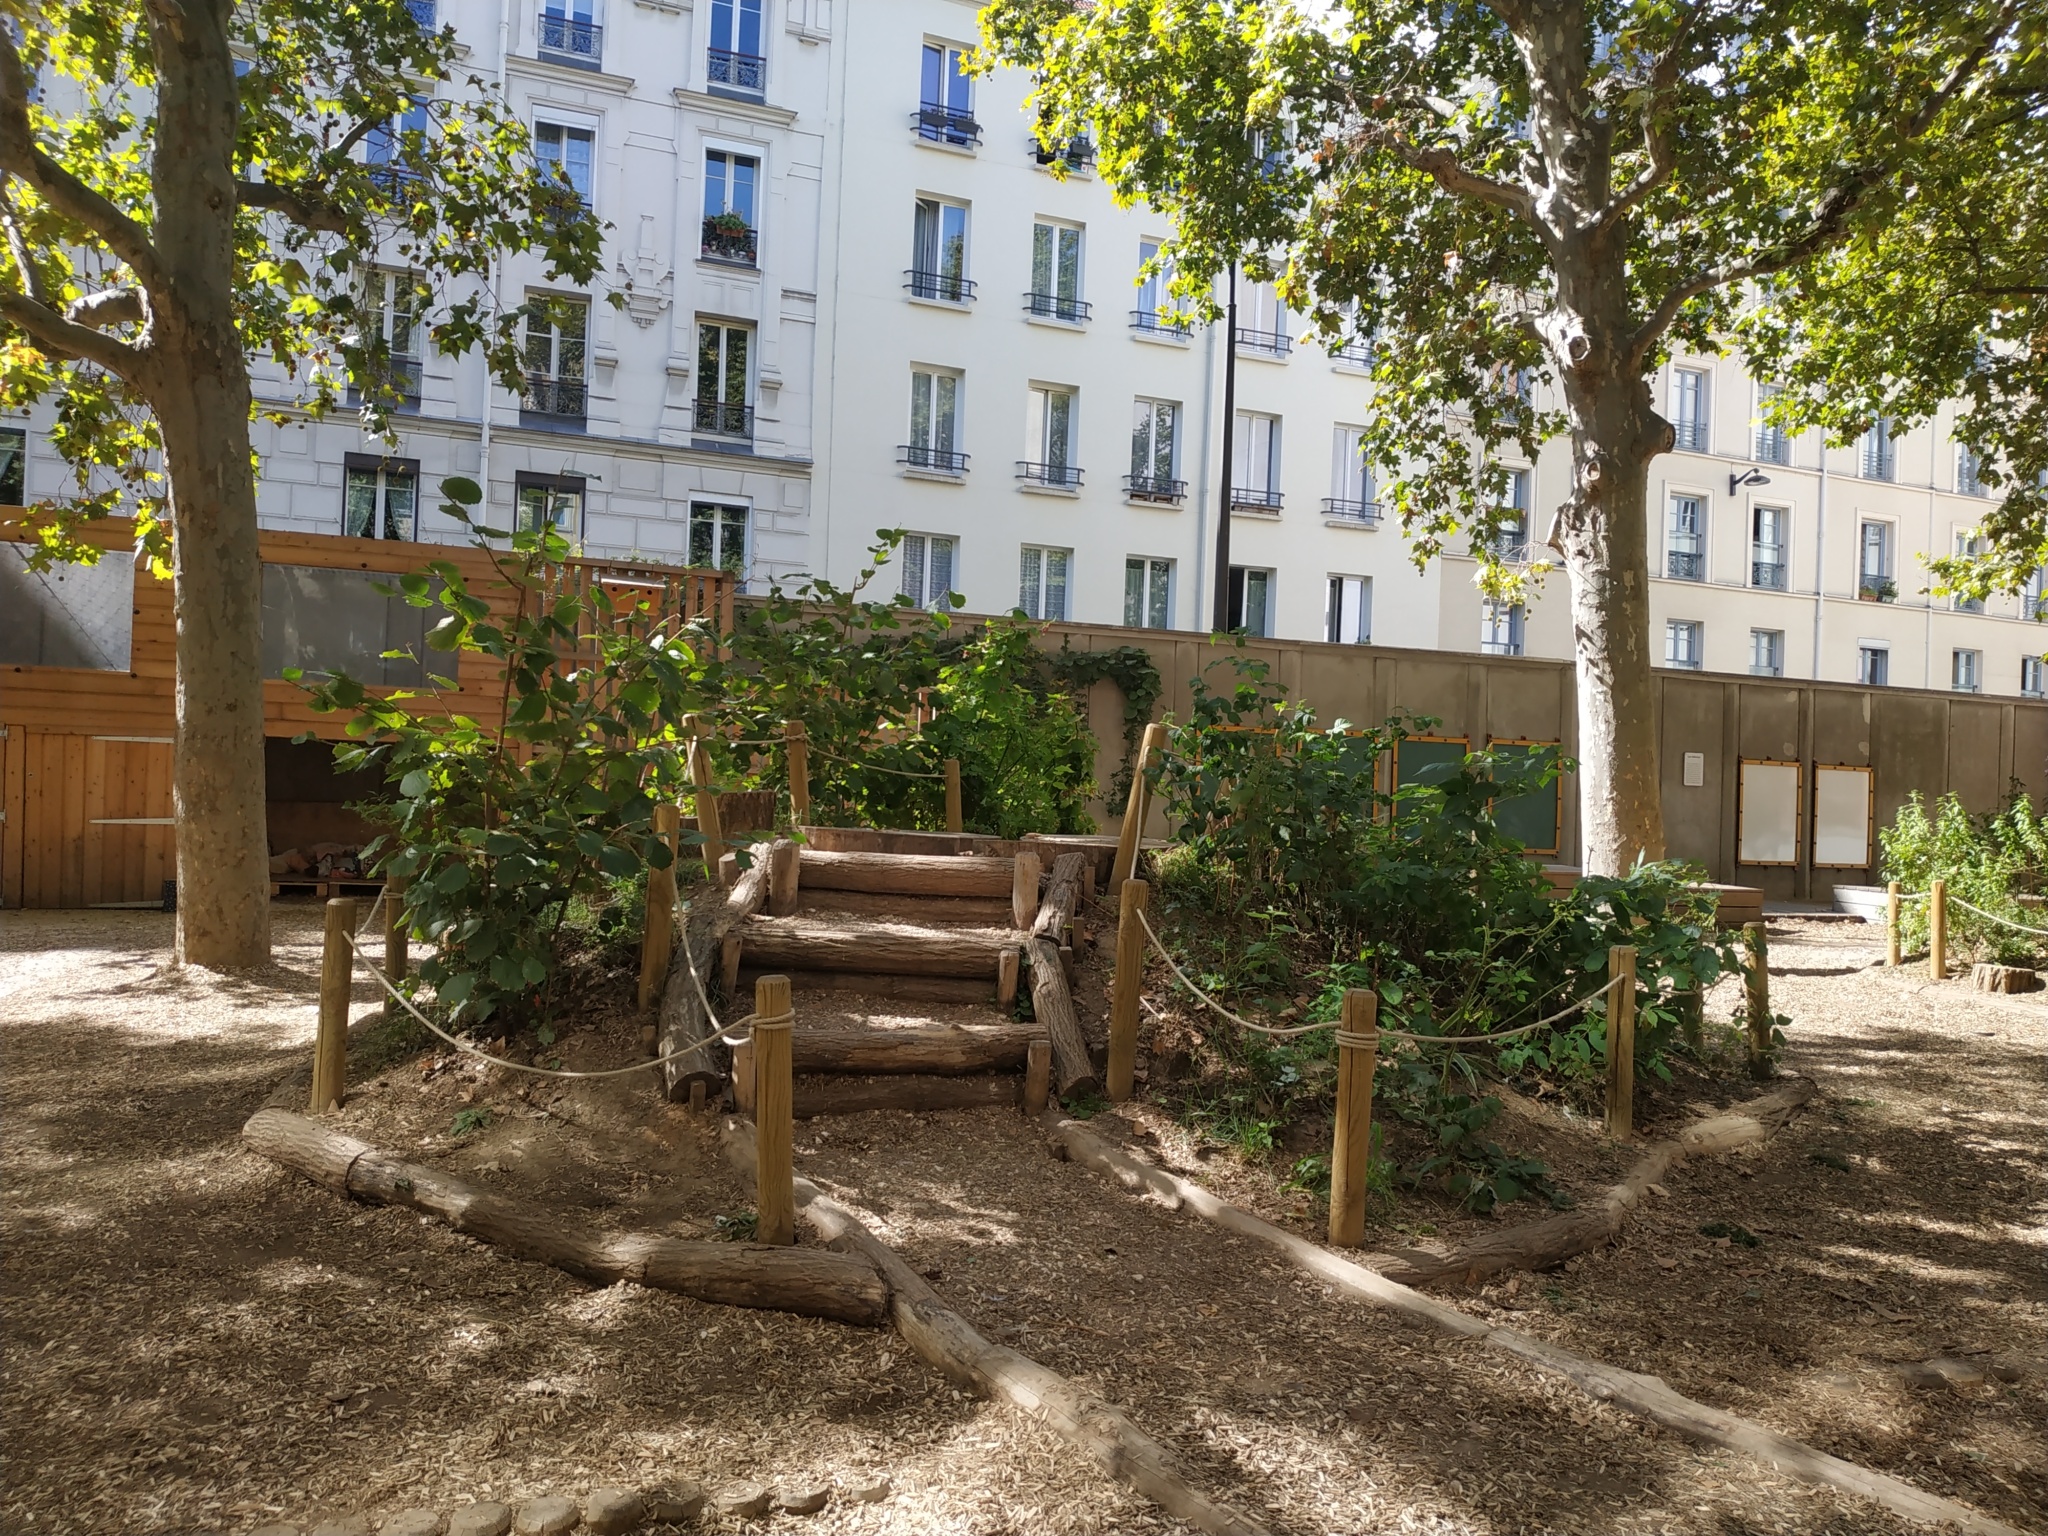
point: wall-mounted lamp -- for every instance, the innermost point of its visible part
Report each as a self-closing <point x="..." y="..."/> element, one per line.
<point x="1747" y="477"/>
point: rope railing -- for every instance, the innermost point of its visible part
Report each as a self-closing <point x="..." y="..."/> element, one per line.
<point x="1967" y="906"/>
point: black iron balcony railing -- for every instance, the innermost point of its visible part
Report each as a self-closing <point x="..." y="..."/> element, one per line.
<point x="1773" y="445"/>
<point x="564" y="398"/>
<point x="2034" y="605"/>
<point x="1685" y="565"/>
<point x="735" y="71"/>
<point x="1155" y="488"/>
<point x="1153" y="323"/>
<point x="943" y="125"/>
<point x="1345" y="509"/>
<point x="1355" y="354"/>
<point x="396" y="180"/>
<point x="1052" y="306"/>
<point x="1077" y="153"/>
<point x="941" y="460"/>
<point x="1689" y="433"/>
<point x="726" y="418"/>
<point x="1768" y="574"/>
<point x="425" y="12"/>
<point x="1251" y="498"/>
<point x="946" y="287"/>
<point x="1062" y="476"/>
<point x="565" y="38"/>
<point x="740" y="247"/>
<point x="1271" y="343"/>
<point x="1511" y="551"/>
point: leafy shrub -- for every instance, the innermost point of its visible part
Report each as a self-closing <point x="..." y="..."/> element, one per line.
<point x="1989" y="861"/>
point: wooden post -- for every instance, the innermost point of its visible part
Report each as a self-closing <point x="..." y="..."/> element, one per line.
<point x="1037" y="1075"/>
<point x="1621" y="1042"/>
<point x="1130" y="975"/>
<point x="729" y="966"/>
<point x="743" y="1077"/>
<point x="1756" y="982"/>
<point x="1351" y="1146"/>
<point x="1153" y="744"/>
<point x="774" y="1105"/>
<point x="708" y="826"/>
<point x="657" y="936"/>
<point x="782" y="877"/>
<point x="797" y="747"/>
<point x="337" y="971"/>
<point x="1891" y="924"/>
<point x="1024" y="888"/>
<point x="954" y="819"/>
<point x="397" y="933"/>
<point x="1007" y="965"/>
<point x="1937" y="931"/>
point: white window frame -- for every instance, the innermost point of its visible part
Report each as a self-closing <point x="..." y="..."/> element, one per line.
<point x="1503" y="628"/>
<point x="1255" y="457"/>
<point x="568" y="122"/>
<point x="926" y="450"/>
<point x="1676" y="539"/>
<point x="1772" y="661"/>
<point x="1040" y="416"/>
<point x="381" y="477"/>
<point x="935" y="282"/>
<point x="1690" y="423"/>
<point x="1685" y="644"/>
<point x="1782" y="548"/>
<point x="1155" y="607"/>
<point x="915" y="580"/>
<point x="1037" y="582"/>
<point x="1888" y="539"/>
<point x="1351" y="478"/>
<point x="1146" y="413"/>
<point x="1868" y="652"/>
<point x="1055" y="302"/>
<point x="1968" y="541"/>
<point x="719" y="533"/>
<point x="1347" y="610"/>
<point x="2033" y="677"/>
<point x="1966" y="670"/>
<point x="1266" y="579"/>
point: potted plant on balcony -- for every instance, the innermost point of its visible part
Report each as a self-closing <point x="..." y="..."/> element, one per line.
<point x="729" y="234"/>
<point x="1878" y="589"/>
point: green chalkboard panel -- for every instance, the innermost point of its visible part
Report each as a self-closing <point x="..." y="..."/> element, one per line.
<point x="1427" y="760"/>
<point x="1533" y="820"/>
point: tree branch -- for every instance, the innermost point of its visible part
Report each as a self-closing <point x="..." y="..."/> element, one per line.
<point x="1658" y="141"/>
<point x="1449" y="172"/>
<point x="20" y="156"/>
<point x="306" y="212"/>
<point x="68" y="339"/>
<point x="110" y="306"/>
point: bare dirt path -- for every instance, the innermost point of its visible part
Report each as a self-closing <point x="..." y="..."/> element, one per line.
<point x="198" y="1341"/>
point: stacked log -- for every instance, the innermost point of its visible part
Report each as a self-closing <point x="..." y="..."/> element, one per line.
<point x="713" y="915"/>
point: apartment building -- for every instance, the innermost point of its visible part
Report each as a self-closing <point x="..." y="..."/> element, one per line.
<point x="857" y="292"/>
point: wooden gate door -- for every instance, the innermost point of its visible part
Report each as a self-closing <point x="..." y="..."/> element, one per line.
<point x="88" y="819"/>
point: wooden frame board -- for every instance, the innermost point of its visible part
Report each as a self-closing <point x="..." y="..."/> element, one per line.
<point x="1425" y="760"/>
<point x="1844" y="815"/>
<point x="1555" y="796"/>
<point x="1769" y="812"/>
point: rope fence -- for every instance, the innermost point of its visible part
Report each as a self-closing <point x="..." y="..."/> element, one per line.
<point x="1967" y="906"/>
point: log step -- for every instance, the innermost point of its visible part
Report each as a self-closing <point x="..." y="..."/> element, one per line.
<point x="918" y="989"/>
<point x="953" y="1052"/>
<point x="887" y="949"/>
<point x="906" y="874"/>
<point x="815" y="1096"/>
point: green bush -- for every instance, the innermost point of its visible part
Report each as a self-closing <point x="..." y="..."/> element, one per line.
<point x="1989" y="861"/>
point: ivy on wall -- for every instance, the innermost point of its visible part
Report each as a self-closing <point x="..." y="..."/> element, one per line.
<point x="1137" y="678"/>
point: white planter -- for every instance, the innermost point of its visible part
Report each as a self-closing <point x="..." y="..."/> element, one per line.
<point x="1864" y="901"/>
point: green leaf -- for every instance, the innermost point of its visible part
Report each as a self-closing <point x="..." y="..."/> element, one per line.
<point x="462" y="490"/>
<point x="416" y="784"/>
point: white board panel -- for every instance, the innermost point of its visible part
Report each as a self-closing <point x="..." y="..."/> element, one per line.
<point x="1769" y="814"/>
<point x="1841" y="817"/>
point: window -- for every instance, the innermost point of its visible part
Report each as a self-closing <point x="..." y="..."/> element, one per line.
<point x="379" y="497"/>
<point x="730" y="183"/>
<point x="722" y="379"/>
<point x="1155" y="312"/>
<point x="1056" y="273"/>
<point x="567" y="153"/>
<point x="1874" y="572"/>
<point x="1685" y="547"/>
<point x="1773" y="443"/>
<point x="1347" y="613"/>
<point x="1351" y="487"/>
<point x="718" y="537"/>
<point x="1767" y="653"/>
<point x="1042" y="581"/>
<point x="13" y="466"/>
<point x="938" y="256"/>
<point x="1689" y="408"/>
<point x="1767" y="548"/>
<point x="1049" y="434"/>
<point x="391" y="301"/>
<point x="2033" y="677"/>
<point x="1262" y="321"/>
<point x="1878" y="455"/>
<point x="1148" y="593"/>
<point x="569" y="33"/>
<point x="1873" y="665"/>
<point x="1683" y="643"/>
<point x="385" y="147"/>
<point x="1251" y="601"/>
<point x="1969" y="471"/>
<point x="548" y="500"/>
<point x="945" y="108"/>
<point x="1255" y="455"/>
<point x="1969" y="544"/>
<point x="1965" y="671"/>
<point x="934" y="422"/>
<point x="555" y="336"/>
<point x="1511" y="543"/>
<point x="735" y="61"/>
<point x="70" y="615"/>
<point x="1500" y="628"/>
<point x="1155" y="451"/>
<point x="2033" y="596"/>
<point x="928" y="568"/>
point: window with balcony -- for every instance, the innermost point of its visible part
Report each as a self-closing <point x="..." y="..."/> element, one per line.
<point x="1148" y="593"/>
<point x="938" y="252"/>
<point x="1969" y="477"/>
<point x="1877" y="454"/>
<point x="1874" y="665"/>
<point x="731" y="183"/>
<point x="379" y="497"/>
<point x="548" y="501"/>
<point x="723" y="353"/>
<point x="557" y="331"/>
<point x="391" y="335"/>
<point x="570" y="34"/>
<point x="1347" y="611"/>
<point x="734" y="64"/>
<point x="1684" y="643"/>
<point x="945" y="103"/>
<point x="1352" y="497"/>
<point x="1969" y="545"/>
<point x="1042" y="581"/>
<point x="1156" y="314"/>
<point x="1772" y="443"/>
<point x="1874" y="582"/>
<point x="1500" y="628"/>
<point x="927" y="575"/>
<point x="568" y="154"/>
<point x="13" y="466"/>
<point x="1255" y="463"/>
<point x="394" y="150"/>
<point x="1262" y="321"/>
<point x="2033" y="596"/>
<point x="1056" y="273"/>
<point x="1155" y="452"/>
<point x="1689" y="408"/>
<point x="1767" y="653"/>
<point x="1251" y="601"/>
<point x="1767" y="548"/>
<point x="1510" y="542"/>
<point x="2034" y="677"/>
<point x="1966" y="671"/>
<point x="1685" y="540"/>
<point x="718" y="537"/>
<point x="934" y="423"/>
<point x="1076" y="154"/>
<point x="1049" y="429"/>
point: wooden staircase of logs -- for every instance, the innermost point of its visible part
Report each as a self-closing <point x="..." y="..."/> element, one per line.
<point x="960" y="928"/>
